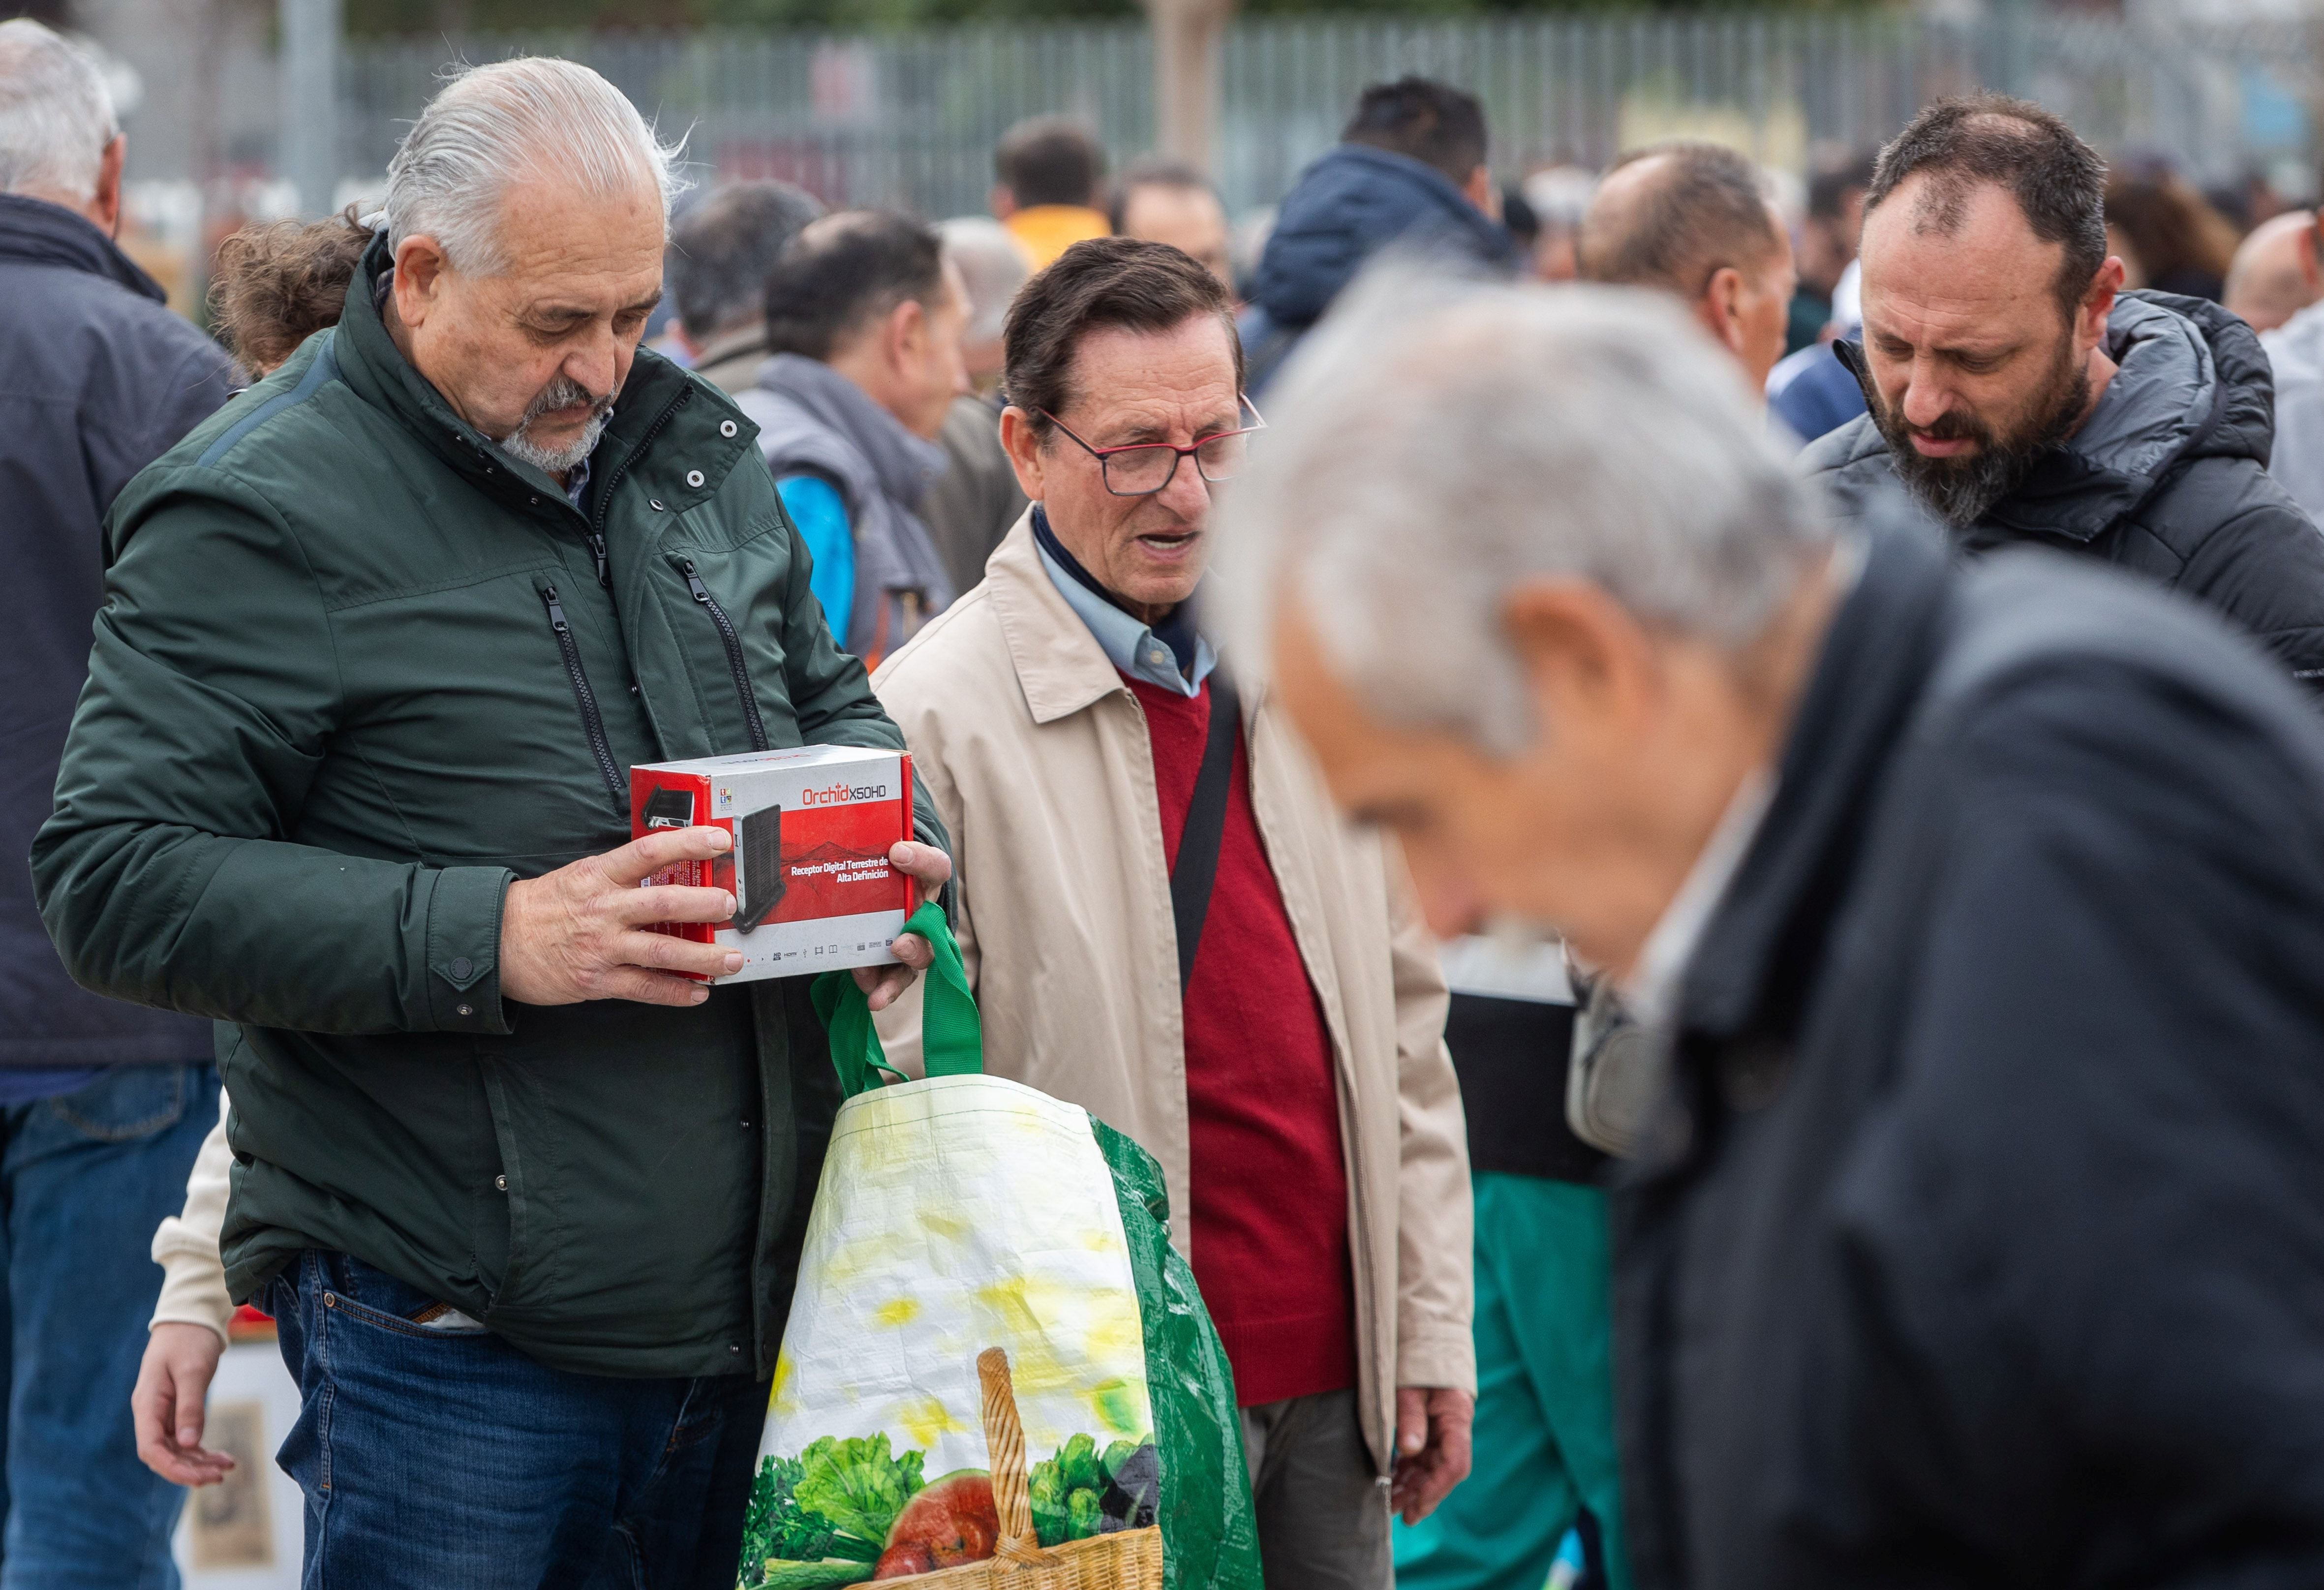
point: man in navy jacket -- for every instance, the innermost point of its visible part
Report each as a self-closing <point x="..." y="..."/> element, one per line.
<point x="102" y="1104"/>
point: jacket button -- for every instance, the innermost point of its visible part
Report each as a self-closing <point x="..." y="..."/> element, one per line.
<point x="500" y="1182"/>
<point x="534" y="501"/>
<point x="726" y="428"/>
<point x="467" y="1010"/>
<point x="693" y="478"/>
<point x="462" y="965"/>
<point x="735" y="1348"/>
<point x="654" y="502"/>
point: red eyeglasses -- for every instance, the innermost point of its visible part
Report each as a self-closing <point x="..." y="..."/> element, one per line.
<point x="1142" y="468"/>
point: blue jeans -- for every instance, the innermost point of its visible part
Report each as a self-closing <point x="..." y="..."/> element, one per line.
<point x="84" y="1178"/>
<point x="448" y="1458"/>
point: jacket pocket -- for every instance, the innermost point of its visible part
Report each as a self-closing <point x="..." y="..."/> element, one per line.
<point x="592" y="722"/>
<point x="737" y="663"/>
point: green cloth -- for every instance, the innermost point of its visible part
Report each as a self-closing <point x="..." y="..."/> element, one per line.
<point x="1545" y="1434"/>
<point x="329" y="720"/>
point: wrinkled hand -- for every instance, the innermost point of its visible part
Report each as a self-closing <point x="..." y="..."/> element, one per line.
<point x="166" y="1407"/>
<point x="930" y="870"/>
<point x="582" y="931"/>
<point x="1432" y="1447"/>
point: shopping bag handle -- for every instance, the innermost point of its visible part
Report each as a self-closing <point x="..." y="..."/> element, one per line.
<point x="950" y="1042"/>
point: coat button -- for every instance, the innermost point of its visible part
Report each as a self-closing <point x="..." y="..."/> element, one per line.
<point x="726" y="428"/>
<point x="462" y="965"/>
<point x="654" y="502"/>
<point x="694" y="479"/>
<point x="500" y="1182"/>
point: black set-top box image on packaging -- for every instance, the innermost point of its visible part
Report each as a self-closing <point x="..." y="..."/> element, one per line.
<point x="812" y="827"/>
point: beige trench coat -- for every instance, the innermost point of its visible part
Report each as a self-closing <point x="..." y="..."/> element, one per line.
<point x="1036" y="754"/>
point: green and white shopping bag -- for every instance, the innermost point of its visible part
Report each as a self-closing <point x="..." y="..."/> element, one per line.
<point x="998" y="1374"/>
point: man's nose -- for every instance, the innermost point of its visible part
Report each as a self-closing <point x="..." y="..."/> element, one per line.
<point x="595" y="364"/>
<point x="1926" y="399"/>
<point x="1449" y="906"/>
<point x="1188" y="494"/>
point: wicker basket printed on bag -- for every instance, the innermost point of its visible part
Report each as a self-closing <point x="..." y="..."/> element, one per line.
<point x="1125" y="1559"/>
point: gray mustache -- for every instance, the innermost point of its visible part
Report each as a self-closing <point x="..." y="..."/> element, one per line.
<point x="563" y="393"/>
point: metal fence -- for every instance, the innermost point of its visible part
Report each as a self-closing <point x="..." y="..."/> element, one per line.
<point x="911" y="118"/>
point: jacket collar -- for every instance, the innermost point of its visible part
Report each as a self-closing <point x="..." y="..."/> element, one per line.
<point x="39" y="233"/>
<point x="901" y="463"/>
<point x="1752" y="968"/>
<point x="1060" y="666"/>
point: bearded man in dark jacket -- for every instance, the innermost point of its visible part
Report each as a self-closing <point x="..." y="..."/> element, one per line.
<point x="2024" y="398"/>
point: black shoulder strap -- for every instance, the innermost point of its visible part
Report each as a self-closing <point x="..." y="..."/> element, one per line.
<point x="1197" y="866"/>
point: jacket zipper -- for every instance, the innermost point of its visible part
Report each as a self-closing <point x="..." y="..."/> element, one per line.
<point x="734" y="644"/>
<point x="605" y="493"/>
<point x="591" y="720"/>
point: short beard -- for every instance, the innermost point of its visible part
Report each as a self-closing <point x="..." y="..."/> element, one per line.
<point x="1959" y="490"/>
<point x="563" y="392"/>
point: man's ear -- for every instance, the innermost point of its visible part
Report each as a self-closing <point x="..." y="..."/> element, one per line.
<point x="904" y="339"/>
<point x="2310" y="270"/>
<point x="1001" y="201"/>
<point x="1591" y="665"/>
<point x="420" y="269"/>
<point x="104" y="205"/>
<point x="1024" y="450"/>
<point x="1719" y="309"/>
<point x="2097" y="303"/>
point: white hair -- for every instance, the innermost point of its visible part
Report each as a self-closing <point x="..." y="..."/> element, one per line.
<point x="56" y="116"/>
<point x="491" y="127"/>
<point x="1436" y="445"/>
<point x="992" y="266"/>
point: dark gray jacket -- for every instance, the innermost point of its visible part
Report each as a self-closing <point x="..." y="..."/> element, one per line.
<point x="2167" y="479"/>
<point x="813" y="420"/>
<point x="1986" y="1242"/>
<point x="98" y="378"/>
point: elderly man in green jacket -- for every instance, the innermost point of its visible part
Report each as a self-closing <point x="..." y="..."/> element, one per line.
<point x="379" y="643"/>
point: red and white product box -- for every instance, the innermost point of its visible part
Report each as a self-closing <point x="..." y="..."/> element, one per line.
<point x="809" y="873"/>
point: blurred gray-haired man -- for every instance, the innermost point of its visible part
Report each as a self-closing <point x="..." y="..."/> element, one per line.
<point x="1980" y="1236"/>
<point x="102" y="1104"/>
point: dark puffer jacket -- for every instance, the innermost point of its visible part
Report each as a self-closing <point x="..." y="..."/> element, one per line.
<point x="2167" y="479"/>
<point x="1353" y="202"/>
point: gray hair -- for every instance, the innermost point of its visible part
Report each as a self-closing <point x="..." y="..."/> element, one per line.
<point x="56" y="116"/>
<point x="1436" y="445"/>
<point x="991" y="267"/>
<point x="722" y="251"/>
<point x="492" y="126"/>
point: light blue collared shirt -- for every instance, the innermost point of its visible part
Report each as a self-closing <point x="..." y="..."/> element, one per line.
<point x="1129" y="644"/>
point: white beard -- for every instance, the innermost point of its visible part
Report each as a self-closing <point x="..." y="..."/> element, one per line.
<point x="557" y="462"/>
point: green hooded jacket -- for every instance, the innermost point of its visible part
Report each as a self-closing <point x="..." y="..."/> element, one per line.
<point x="357" y="671"/>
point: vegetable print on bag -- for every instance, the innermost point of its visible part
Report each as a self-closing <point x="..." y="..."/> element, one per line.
<point x="997" y="1372"/>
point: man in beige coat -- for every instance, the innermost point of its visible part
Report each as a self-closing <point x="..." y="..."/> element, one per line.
<point x="1169" y="926"/>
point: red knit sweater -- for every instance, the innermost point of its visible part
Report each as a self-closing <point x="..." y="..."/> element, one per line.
<point x="1268" y="1185"/>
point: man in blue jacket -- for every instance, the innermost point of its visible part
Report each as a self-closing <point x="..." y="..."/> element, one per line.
<point x="1409" y="169"/>
<point x="102" y="1104"/>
